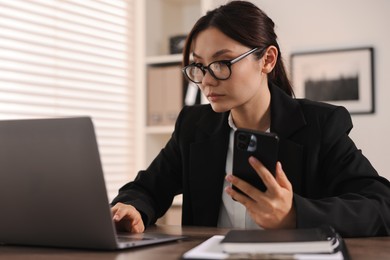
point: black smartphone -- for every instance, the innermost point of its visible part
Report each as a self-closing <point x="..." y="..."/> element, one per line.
<point x="263" y="146"/>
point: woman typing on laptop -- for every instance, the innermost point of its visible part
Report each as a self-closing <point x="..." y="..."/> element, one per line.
<point x="321" y="178"/>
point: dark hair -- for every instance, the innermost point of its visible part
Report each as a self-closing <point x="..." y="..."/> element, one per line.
<point x="247" y="24"/>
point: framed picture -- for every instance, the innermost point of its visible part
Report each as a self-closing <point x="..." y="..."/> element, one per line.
<point x="340" y="77"/>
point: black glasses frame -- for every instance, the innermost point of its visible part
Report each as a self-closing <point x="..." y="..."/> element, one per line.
<point x="228" y="63"/>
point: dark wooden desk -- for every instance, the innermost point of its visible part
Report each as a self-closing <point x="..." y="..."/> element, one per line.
<point x="377" y="248"/>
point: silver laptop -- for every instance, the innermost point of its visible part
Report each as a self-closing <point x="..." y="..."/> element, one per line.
<point x="52" y="190"/>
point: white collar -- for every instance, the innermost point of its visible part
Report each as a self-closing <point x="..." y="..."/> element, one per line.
<point x="234" y="127"/>
<point x="231" y="123"/>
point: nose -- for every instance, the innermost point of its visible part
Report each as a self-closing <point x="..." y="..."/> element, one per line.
<point x="208" y="79"/>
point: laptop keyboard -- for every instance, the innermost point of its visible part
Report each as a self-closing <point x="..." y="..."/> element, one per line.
<point x="133" y="237"/>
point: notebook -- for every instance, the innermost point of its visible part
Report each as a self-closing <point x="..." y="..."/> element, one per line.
<point x="52" y="189"/>
<point x="284" y="241"/>
<point x="212" y="249"/>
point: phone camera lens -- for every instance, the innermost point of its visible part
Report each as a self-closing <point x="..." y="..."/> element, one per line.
<point x="242" y="137"/>
<point x="242" y="146"/>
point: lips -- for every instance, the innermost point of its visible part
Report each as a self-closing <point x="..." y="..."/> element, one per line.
<point x="214" y="96"/>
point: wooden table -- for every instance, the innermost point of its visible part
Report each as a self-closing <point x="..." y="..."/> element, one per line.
<point x="376" y="248"/>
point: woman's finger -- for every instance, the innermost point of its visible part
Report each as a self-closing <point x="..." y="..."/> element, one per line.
<point x="265" y="175"/>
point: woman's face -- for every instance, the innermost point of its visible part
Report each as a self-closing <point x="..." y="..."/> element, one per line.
<point x="246" y="84"/>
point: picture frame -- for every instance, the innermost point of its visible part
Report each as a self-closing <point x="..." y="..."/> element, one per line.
<point x="342" y="77"/>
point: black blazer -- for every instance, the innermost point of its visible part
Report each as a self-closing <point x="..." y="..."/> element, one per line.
<point x="333" y="182"/>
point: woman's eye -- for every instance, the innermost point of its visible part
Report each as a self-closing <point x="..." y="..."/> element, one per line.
<point x="217" y="66"/>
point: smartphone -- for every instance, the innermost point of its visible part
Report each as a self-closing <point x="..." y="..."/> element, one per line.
<point x="263" y="146"/>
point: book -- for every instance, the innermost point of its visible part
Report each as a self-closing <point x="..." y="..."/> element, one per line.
<point x="281" y="241"/>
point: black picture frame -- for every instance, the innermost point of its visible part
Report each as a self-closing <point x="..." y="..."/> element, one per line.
<point x="342" y="77"/>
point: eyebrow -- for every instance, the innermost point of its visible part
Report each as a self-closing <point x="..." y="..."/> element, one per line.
<point x="215" y="55"/>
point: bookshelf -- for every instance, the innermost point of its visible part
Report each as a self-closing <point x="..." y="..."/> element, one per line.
<point x="157" y="21"/>
<point x="163" y="19"/>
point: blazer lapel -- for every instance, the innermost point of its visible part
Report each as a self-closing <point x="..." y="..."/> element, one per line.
<point x="286" y="114"/>
<point x="287" y="119"/>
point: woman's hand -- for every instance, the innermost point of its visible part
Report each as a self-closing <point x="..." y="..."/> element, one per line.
<point x="127" y="218"/>
<point x="272" y="208"/>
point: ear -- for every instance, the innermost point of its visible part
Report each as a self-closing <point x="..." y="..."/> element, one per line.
<point x="270" y="57"/>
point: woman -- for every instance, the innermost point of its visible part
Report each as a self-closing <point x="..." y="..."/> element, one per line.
<point x="321" y="177"/>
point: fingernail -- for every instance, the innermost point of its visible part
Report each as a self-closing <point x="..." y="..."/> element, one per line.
<point x="229" y="177"/>
<point x="252" y="159"/>
<point x="228" y="189"/>
<point x="280" y="165"/>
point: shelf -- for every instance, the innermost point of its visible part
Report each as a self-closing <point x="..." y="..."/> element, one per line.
<point x="159" y="129"/>
<point x="164" y="59"/>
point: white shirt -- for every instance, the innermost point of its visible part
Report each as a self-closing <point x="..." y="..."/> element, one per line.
<point x="233" y="214"/>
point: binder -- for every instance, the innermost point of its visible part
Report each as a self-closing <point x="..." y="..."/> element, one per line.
<point x="164" y="94"/>
<point x="173" y="94"/>
<point x="154" y="96"/>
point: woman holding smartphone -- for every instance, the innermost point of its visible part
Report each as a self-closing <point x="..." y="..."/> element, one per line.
<point x="321" y="178"/>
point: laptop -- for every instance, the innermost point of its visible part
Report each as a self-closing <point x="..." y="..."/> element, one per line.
<point x="52" y="189"/>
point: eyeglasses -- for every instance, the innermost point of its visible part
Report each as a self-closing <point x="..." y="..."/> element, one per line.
<point x="220" y="70"/>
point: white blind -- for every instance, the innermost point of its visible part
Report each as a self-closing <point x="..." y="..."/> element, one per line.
<point x="70" y="58"/>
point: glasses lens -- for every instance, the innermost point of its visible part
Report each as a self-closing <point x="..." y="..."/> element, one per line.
<point x="220" y="70"/>
<point x="194" y="73"/>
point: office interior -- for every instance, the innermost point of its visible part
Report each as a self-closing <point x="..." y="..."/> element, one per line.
<point x="301" y="25"/>
<point x="307" y="26"/>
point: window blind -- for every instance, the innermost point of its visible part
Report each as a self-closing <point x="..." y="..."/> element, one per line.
<point x="73" y="58"/>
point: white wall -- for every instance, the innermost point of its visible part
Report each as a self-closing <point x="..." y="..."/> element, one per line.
<point x="309" y="25"/>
